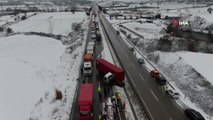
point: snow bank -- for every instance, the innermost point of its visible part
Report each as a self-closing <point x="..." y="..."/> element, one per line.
<point x="201" y="62"/>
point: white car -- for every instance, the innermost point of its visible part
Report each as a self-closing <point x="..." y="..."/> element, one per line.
<point x="131" y="48"/>
<point x="173" y="94"/>
<point x="93" y="31"/>
<point x="93" y="36"/>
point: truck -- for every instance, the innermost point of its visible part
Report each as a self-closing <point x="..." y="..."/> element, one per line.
<point x="90" y="48"/>
<point x="87" y="68"/>
<point x="88" y="57"/>
<point x="91" y="43"/>
<point x="112" y="74"/>
<point x="85" y="102"/>
<point x="98" y="35"/>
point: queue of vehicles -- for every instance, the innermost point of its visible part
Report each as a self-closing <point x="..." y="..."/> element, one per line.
<point x="113" y="75"/>
<point x="86" y="96"/>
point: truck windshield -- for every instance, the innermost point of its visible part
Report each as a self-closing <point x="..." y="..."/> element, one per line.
<point x="84" y="113"/>
<point x="87" y="68"/>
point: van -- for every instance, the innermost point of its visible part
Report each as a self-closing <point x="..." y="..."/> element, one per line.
<point x="131" y="48"/>
<point x="193" y="115"/>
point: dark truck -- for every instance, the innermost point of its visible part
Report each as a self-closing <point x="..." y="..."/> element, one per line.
<point x="98" y="35"/>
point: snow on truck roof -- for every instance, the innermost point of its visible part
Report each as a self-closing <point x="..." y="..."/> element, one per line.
<point x="86" y="94"/>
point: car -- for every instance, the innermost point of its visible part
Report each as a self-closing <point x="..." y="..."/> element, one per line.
<point x="93" y="36"/>
<point x="154" y="73"/>
<point x="193" y="114"/>
<point x="149" y="21"/>
<point x="117" y="32"/>
<point x="131" y="48"/>
<point x="173" y="94"/>
<point x="141" y="60"/>
<point x="93" y="31"/>
<point x="161" y="80"/>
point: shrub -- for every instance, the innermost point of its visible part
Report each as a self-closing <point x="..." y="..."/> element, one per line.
<point x="129" y="36"/>
<point x="23" y="17"/>
<point x="58" y="94"/>
<point x="76" y="26"/>
<point x="9" y="30"/>
<point x="209" y="10"/>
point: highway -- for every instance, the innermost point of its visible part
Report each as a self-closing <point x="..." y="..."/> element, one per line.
<point x="157" y="104"/>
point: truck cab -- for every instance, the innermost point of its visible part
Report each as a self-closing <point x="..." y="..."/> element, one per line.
<point x="87" y="69"/>
<point x="108" y="77"/>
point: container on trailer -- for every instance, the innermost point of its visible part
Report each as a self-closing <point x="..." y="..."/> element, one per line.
<point x="106" y="67"/>
<point x="85" y="102"/>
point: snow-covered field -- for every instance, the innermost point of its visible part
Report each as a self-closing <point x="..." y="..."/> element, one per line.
<point x="55" y="23"/>
<point x="33" y="67"/>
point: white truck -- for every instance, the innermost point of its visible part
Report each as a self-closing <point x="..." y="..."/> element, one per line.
<point x="87" y="69"/>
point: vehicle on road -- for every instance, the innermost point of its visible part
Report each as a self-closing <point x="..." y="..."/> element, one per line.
<point x="93" y="31"/>
<point x="108" y="109"/>
<point x="141" y="60"/>
<point x="193" y="114"/>
<point x="90" y="48"/>
<point x="117" y="32"/>
<point x="154" y="73"/>
<point x="131" y="48"/>
<point x="87" y="68"/>
<point x="98" y="36"/>
<point x="158" y="77"/>
<point x="112" y="74"/>
<point x="85" y="102"/>
<point x="93" y="36"/>
<point x="161" y="80"/>
<point x="91" y="43"/>
<point x="173" y="94"/>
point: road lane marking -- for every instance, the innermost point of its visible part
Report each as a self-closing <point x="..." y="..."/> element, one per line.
<point x="141" y="77"/>
<point x="154" y="95"/>
<point x="127" y="56"/>
<point x="133" y="65"/>
<point x="170" y="118"/>
<point x="143" y="100"/>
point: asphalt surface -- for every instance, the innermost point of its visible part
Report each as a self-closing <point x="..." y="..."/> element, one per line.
<point x="157" y="104"/>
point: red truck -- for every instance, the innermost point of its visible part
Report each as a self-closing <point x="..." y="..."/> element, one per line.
<point x="85" y="102"/>
<point x="113" y="74"/>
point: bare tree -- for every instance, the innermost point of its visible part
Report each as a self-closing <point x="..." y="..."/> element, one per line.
<point x="51" y="26"/>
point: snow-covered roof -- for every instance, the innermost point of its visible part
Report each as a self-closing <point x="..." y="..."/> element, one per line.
<point x="46" y="3"/>
<point x="29" y="3"/>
